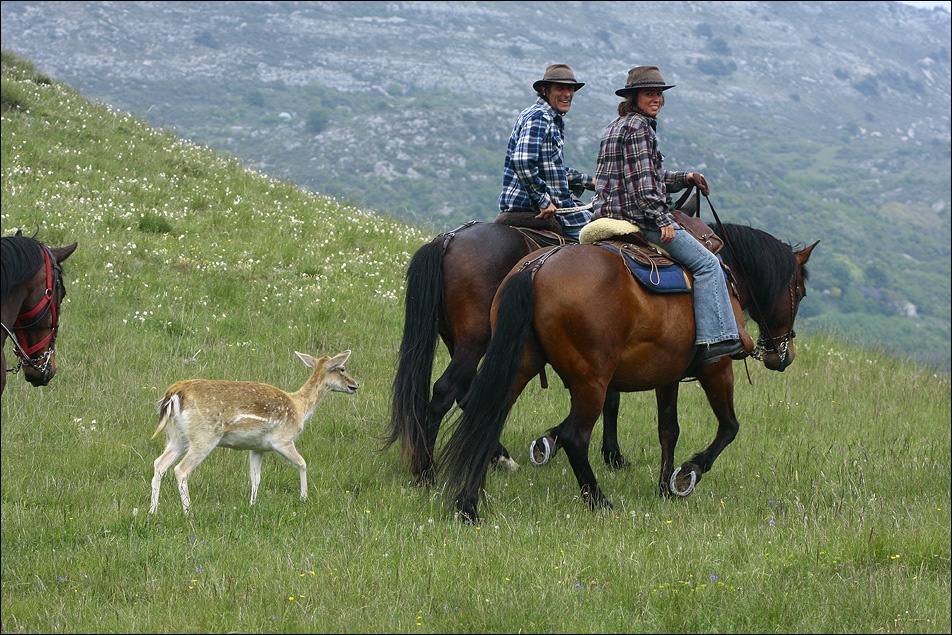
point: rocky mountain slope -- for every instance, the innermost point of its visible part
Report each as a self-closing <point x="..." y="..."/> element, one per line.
<point x="826" y="120"/>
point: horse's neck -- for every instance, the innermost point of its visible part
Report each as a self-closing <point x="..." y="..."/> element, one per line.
<point x="13" y="302"/>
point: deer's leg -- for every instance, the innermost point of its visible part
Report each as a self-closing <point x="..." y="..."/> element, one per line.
<point x="288" y="451"/>
<point x="194" y="457"/>
<point x="172" y="452"/>
<point x="254" y="469"/>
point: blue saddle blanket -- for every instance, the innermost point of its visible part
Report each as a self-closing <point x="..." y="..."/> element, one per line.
<point x="669" y="279"/>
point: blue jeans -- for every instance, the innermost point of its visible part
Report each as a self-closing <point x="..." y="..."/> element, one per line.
<point x="572" y="230"/>
<point x="713" y="314"/>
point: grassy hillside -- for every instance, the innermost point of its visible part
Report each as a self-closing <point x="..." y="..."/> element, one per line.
<point x="829" y="513"/>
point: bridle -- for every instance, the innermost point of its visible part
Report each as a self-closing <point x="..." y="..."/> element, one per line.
<point x="766" y="337"/>
<point x="785" y="339"/>
<point x="28" y="320"/>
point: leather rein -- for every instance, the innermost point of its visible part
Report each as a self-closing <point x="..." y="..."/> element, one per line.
<point x="29" y="319"/>
<point x="763" y="341"/>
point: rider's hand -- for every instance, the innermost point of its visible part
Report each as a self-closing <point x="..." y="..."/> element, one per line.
<point x="547" y="212"/>
<point x="667" y="233"/>
<point x="697" y="179"/>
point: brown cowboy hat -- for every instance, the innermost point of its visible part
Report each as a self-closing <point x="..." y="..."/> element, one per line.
<point x="643" y="77"/>
<point x="557" y="74"/>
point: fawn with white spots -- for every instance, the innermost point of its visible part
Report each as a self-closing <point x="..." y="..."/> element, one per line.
<point x="199" y="415"/>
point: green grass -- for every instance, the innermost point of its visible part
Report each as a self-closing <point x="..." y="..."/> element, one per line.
<point x="829" y="513"/>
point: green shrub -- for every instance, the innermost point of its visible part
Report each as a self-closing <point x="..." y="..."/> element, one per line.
<point x="317" y="120"/>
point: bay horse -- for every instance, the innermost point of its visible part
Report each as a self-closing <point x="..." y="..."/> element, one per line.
<point x="450" y="284"/>
<point x="579" y="309"/>
<point x="31" y="292"/>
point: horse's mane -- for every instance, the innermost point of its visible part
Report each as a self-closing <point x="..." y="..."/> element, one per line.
<point x="767" y="263"/>
<point x="20" y="259"/>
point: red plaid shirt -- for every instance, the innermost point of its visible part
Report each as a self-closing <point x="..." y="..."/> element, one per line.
<point x="630" y="181"/>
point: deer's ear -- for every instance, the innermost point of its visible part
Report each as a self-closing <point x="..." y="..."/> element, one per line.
<point x="340" y="359"/>
<point x="307" y="359"/>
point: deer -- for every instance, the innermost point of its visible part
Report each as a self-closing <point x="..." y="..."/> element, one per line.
<point x="199" y="415"/>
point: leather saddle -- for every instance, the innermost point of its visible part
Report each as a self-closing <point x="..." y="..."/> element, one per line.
<point x="544" y="232"/>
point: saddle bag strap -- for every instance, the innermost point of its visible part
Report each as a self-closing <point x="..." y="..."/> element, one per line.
<point x="448" y="236"/>
<point x="700" y="230"/>
<point x="539" y="260"/>
<point x="684" y="199"/>
<point x="692" y="223"/>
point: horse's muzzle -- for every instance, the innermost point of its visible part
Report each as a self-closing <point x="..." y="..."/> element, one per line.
<point x="777" y="362"/>
<point x="39" y="377"/>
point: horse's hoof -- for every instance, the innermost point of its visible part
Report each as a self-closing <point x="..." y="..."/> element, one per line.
<point x="540" y="451"/>
<point x="596" y="500"/>
<point x="601" y="504"/>
<point x="505" y="464"/>
<point x="427" y="479"/>
<point x="673" y="485"/>
<point x="616" y="460"/>
<point x="467" y="514"/>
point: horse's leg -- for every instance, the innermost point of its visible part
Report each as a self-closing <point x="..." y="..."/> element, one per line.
<point x="718" y="385"/>
<point x="577" y="434"/>
<point x="448" y="389"/>
<point x="611" y="451"/>
<point x="452" y="387"/>
<point x="668" y="432"/>
<point x="544" y="449"/>
<point x="467" y="499"/>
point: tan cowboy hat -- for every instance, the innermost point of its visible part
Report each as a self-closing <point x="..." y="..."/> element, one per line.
<point x="643" y="77"/>
<point x="557" y="74"/>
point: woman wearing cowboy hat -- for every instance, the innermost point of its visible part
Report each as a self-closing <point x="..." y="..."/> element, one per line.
<point x="535" y="179"/>
<point x="631" y="184"/>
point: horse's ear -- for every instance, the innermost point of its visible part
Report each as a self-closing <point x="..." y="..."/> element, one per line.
<point x="62" y="253"/>
<point x="19" y="232"/>
<point x="804" y="255"/>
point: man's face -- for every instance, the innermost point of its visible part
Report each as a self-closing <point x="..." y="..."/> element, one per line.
<point x="560" y="96"/>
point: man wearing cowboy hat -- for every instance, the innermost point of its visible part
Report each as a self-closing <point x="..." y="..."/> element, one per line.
<point x="535" y="179"/>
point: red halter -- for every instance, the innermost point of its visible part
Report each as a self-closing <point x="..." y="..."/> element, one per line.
<point x="24" y="351"/>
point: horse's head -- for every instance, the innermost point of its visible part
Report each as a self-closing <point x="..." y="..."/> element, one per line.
<point x="37" y="324"/>
<point x="775" y="344"/>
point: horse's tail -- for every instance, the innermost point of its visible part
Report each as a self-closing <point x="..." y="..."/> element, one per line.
<point x="467" y="454"/>
<point x="411" y="385"/>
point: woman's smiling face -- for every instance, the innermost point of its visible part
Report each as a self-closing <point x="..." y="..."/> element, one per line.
<point x="650" y="101"/>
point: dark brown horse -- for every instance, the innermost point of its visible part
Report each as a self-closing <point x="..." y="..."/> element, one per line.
<point x="582" y="312"/>
<point x="451" y="282"/>
<point x="31" y="291"/>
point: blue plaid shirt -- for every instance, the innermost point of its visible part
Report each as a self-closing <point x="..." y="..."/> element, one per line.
<point x="630" y="181"/>
<point x="534" y="173"/>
